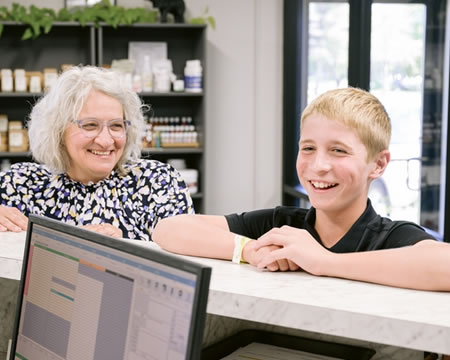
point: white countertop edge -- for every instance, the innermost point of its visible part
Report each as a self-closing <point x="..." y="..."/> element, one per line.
<point x="10" y="269"/>
<point x="366" y="327"/>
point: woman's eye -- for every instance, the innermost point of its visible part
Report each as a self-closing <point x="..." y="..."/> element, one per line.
<point x="117" y="126"/>
<point x="90" y="126"/>
<point x="340" y="151"/>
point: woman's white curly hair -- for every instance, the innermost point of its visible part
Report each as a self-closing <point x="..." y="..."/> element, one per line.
<point x="52" y="114"/>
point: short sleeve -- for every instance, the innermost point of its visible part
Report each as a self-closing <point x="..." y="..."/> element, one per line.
<point x="169" y="195"/>
<point x="406" y="234"/>
<point x="252" y="224"/>
<point x="12" y="186"/>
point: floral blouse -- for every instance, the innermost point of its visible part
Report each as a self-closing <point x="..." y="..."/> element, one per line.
<point x="135" y="202"/>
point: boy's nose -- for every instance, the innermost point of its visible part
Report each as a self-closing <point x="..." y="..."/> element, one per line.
<point x="321" y="162"/>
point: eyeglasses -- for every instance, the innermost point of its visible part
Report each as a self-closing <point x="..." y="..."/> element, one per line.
<point x="92" y="127"/>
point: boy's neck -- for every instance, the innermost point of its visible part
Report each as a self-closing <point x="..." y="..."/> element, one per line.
<point x="332" y="226"/>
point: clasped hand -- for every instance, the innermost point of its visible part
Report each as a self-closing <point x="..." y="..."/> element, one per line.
<point x="105" y="229"/>
<point x="287" y="248"/>
<point x="11" y="219"/>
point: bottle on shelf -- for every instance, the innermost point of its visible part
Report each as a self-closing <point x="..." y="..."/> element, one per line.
<point x="3" y="133"/>
<point x="147" y="74"/>
<point x="6" y="80"/>
<point x="193" y="81"/>
<point x="20" y="80"/>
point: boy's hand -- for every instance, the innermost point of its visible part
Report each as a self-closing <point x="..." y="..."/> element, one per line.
<point x="255" y="256"/>
<point x="11" y="219"/>
<point x="295" y="245"/>
<point x="105" y="229"/>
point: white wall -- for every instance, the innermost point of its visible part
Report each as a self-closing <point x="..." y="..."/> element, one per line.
<point x="244" y="104"/>
<point x="244" y="100"/>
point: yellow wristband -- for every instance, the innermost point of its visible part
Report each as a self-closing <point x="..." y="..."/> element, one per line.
<point x="239" y="243"/>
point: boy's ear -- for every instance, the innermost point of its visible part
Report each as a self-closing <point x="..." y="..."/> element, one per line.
<point x="381" y="161"/>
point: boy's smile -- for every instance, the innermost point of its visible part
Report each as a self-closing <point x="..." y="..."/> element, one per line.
<point x="332" y="166"/>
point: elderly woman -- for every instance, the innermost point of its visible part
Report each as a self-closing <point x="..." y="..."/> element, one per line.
<point x="85" y="135"/>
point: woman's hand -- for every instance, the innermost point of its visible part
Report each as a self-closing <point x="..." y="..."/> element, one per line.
<point x="105" y="229"/>
<point x="254" y="256"/>
<point x="294" y="245"/>
<point x="11" y="219"/>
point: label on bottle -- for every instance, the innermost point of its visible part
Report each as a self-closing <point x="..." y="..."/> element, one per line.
<point x="193" y="83"/>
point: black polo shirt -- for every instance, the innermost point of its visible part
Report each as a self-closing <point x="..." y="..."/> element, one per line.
<point x="369" y="232"/>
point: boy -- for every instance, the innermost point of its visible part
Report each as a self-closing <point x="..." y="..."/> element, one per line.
<point x="343" y="147"/>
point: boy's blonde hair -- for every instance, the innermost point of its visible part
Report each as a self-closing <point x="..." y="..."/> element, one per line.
<point x="358" y="110"/>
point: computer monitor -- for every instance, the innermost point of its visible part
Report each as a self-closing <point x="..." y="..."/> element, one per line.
<point x="88" y="296"/>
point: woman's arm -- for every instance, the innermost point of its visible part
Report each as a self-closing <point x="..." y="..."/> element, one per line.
<point x="11" y="219"/>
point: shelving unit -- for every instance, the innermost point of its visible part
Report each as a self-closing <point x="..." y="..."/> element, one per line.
<point x="70" y="43"/>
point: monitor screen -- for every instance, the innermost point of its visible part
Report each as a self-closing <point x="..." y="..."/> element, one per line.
<point x="88" y="296"/>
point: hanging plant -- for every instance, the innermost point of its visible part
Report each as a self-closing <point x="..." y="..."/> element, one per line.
<point x="40" y="20"/>
<point x="204" y="19"/>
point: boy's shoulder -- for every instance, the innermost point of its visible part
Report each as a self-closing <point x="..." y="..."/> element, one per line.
<point x="384" y="233"/>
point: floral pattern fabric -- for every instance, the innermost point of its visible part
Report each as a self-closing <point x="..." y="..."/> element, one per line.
<point x="134" y="202"/>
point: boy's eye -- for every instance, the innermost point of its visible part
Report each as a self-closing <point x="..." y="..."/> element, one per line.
<point x="307" y="148"/>
<point x="340" y="151"/>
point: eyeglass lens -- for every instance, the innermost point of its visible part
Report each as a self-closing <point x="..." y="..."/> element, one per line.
<point x="93" y="127"/>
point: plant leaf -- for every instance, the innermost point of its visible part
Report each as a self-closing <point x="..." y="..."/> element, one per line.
<point x="28" y="34"/>
<point x="212" y="22"/>
<point x="4" y="13"/>
<point x="197" y="21"/>
<point x="36" y="29"/>
<point x="64" y="15"/>
<point x="47" y="24"/>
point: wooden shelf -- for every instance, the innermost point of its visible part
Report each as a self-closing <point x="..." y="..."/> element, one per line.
<point x="20" y="94"/>
<point x="143" y="94"/>
<point x="7" y="154"/>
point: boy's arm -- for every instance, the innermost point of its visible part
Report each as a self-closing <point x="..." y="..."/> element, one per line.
<point x="209" y="236"/>
<point x="195" y="235"/>
<point x="423" y="266"/>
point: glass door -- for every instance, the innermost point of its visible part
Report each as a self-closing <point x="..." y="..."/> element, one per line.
<point x="397" y="60"/>
<point x="396" y="50"/>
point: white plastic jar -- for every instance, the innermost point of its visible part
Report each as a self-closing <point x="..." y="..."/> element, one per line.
<point x="193" y="76"/>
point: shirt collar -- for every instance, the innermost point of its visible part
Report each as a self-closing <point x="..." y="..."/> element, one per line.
<point x="345" y="244"/>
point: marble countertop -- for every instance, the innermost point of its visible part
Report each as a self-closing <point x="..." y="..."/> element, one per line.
<point x="11" y="254"/>
<point x="411" y="319"/>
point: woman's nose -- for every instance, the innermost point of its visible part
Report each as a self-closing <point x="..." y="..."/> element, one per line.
<point x="104" y="137"/>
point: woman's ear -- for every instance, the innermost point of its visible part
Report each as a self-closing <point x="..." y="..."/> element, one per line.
<point x="380" y="163"/>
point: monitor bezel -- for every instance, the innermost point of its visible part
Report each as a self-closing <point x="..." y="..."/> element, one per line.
<point x="202" y="272"/>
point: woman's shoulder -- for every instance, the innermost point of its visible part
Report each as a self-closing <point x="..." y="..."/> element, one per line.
<point x="30" y="169"/>
<point x="151" y="168"/>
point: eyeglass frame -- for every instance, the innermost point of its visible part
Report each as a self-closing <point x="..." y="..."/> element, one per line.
<point x="127" y="124"/>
